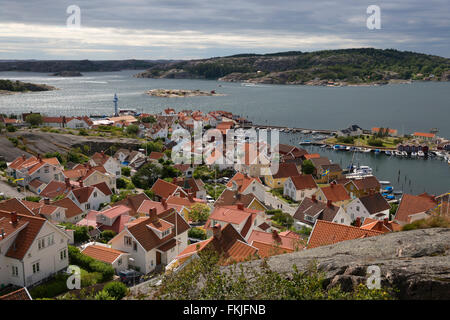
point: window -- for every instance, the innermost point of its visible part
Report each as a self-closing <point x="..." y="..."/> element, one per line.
<point x="62" y="254"/>
<point x="151" y="263"/>
<point x="357" y="208"/>
<point x="166" y="233"/>
<point x="127" y="241"/>
<point x="95" y="194"/>
<point x="58" y="214"/>
<point x="41" y="243"/>
<point x="50" y="240"/>
<point x="134" y="246"/>
<point x="119" y="262"/>
<point x="88" y="206"/>
<point x="36" y="267"/>
<point x="46" y="169"/>
<point x="15" y="271"/>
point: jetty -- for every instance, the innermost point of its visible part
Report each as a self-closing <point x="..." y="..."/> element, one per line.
<point x="294" y="130"/>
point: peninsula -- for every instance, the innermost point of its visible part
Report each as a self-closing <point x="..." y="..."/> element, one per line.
<point x="10" y="87"/>
<point x="180" y="93"/>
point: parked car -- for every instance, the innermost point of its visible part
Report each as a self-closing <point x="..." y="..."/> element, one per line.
<point x="130" y="276"/>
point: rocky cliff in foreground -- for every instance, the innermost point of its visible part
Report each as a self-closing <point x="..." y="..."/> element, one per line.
<point x="416" y="262"/>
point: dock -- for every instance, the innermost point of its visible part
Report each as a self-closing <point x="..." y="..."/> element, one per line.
<point x="294" y="130"/>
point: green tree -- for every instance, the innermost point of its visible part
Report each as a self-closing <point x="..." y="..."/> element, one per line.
<point x="307" y="167"/>
<point x="147" y="175"/>
<point x="199" y="212"/>
<point x="34" y="119"/>
<point x="115" y="289"/>
<point x="126" y="171"/>
<point x="132" y="129"/>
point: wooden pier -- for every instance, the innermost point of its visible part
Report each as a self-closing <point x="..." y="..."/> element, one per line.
<point x="322" y="131"/>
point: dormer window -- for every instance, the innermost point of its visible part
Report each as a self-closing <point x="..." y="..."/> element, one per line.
<point x="165" y="233"/>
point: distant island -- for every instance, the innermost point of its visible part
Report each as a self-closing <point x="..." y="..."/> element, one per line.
<point x="10" y="87"/>
<point x="178" y="93"/>
<point x="365" y="66"/>
<point x="67" y="74"/>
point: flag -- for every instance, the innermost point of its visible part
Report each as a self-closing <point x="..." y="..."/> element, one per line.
<point x="18" y="179"/>
<point x="326" y="173"/>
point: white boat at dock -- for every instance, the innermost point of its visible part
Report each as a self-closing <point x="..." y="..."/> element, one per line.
<point x="360" y="172"/>
<point x="366" y="150"/>
<point x="404" y="153"/>
<point x="420" y="153"/>
<point x="413" y="154"/>
<point x="398" y="153"/>
<point x="385" y="182"/>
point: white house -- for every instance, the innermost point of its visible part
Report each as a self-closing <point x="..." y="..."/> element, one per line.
<point x="372" y="206"/>
<point x="153" y="241"/>
<point x="43" y="169"/>
<point x="299" y="187"/>
<point x="90" y="198"/>
<point x="111" y="164"/>
<point x="31" y="249"/>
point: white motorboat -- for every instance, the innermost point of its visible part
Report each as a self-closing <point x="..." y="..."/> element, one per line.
<point x="360" y="172"/>
<point x="398" y="153"/>
<point x="366" y="150"/>
<point x="413" y="154"/>
<point x="421" y="154"/>
<point x="385" y="182"/>
<point x="404" y="153"/>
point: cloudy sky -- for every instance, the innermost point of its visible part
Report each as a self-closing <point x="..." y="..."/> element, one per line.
<point x="185" y="29"/>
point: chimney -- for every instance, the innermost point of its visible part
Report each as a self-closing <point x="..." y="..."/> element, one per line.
<point x="14" y="217"/>
<point x="190" y="197"/>
<point x="240" y="206"/>
<point x="46" y="201"/>
<point x="217" y="231"/>
<point x="386" y="221"/>
<point x="67" y="181"/>
<point x="358" y="222"/>
<point x="39" y="157"/>
<point x="81" y="183"/>
<point x="23" y="157"/>
<point x="329" y="203"/>
<point x="164" y="203"/>
<point x="275" y="235"/>
<point x="152" y="214"/>
<point x="313" y="198"/>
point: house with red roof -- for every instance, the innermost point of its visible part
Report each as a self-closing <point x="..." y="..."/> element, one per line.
<point x="226" y="241"/>
<point x="32" y="249"/>
<point x="334" y="193"/>
<point x="113" y="219"/>
<point x="426" y="136"/>
<point x="362" y="187"/>
<point x="299" y="187"/>
<point x="153" y="241"/>
<point x="244" y="220"/>
<point x="246" y="184"/>
<point x="384" y="226"/>
<point x="275" y="243"/>
<point x="35" y="167"/>
<point x="90" y="197"/>
<point x="116" y="258"/>
<point x="372" y="206"/>
<point x="326" y="233"/>
<point x="412" y="208"/>
<point x="90" y="175"/>
<point x="278" y="178"/>
<point x="164" y="189"/>
<point x="111" y="165"/>
<point x="55" y="189"/>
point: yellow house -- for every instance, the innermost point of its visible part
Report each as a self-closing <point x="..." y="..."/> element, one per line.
<point x="328" y="172"/>
<point x="277" y="179"/>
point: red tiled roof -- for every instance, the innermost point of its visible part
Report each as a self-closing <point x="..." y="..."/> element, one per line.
<point x="133" y="202"/>
<point x="268" y="242"/>
<point x="72" y="209"/>
<point x="147" y="237"/>
<point x="410" y="205"/>
<point x="335" y="193"/>
<point x="285" y="170"/>
<point x="367" y="183"/>
<point x="16" y="205"/>
<point x="230" y="215"/>
<point x="146" y="205"/>
<point x="312" y="156"/>
<point x="164" y="189"/>
<point x="424" y="134"/>
<point x="26" y="236"/>
<point x="242" y="181"/>
<point x="102" y="253"/>
<point x="21" y="294"/>
<point x="156" y="155"/>
<point x="304" y="181"/>
<point x="326" y="233"/>
<point x="54" y="188"/>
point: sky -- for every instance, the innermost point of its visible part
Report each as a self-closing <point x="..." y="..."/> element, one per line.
<point x="191" y="29"/>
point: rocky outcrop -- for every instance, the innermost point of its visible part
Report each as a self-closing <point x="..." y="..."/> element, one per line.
<point x="416" y="263"/>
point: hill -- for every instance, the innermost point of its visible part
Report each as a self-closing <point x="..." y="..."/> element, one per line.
<point x="8" y="86"/>
<point x="345" y="66"/>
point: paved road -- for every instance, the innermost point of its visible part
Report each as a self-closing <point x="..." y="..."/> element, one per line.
<point x="9" y="191"/>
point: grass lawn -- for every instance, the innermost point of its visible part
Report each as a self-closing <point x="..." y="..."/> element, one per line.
<point x="388" y="142"/>
<point x="210" y="189"/>
<point x="278" y="192"/>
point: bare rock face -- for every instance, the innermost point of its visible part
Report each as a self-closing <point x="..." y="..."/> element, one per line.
<point x="416" y="263"/>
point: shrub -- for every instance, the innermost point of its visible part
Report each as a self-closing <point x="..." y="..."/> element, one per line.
<point x="103" y="295"/>
<point x="199" y="212"/>
<point x="90" y="264"/>
<point x="197" y="233"/>
<point x="11" y="128"/>
<point x="33" y="198"/>
<point x="52" y="288"/>
<point x="121" y="183"/>
<point x="375" y="142"/>
<point x="307" y="167"/>
<point x="118" y="290"/>
<point x="83" y="132"/>
<point x="126" y="171"/>
<point x="432" y="222"/>
<point x="34" y="119"/>
<point x="107" y="235"/>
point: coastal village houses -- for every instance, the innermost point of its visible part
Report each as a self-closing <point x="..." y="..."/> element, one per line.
<point x="153" y="241"/>
<point x="111" y="165"/>
<point x="43" y="169"/>
<point x="91" y="197"/>
<point x="32" y="249"/>
<point x="299" y="187"/>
